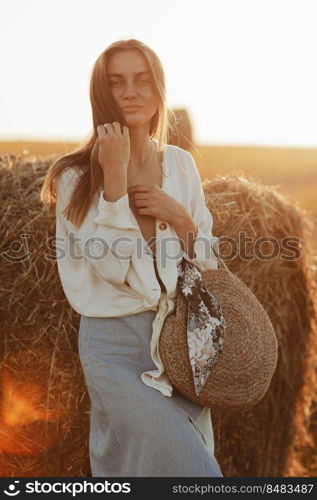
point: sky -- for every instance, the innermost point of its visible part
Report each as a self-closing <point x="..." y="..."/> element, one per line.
<point x="245" y="70"/>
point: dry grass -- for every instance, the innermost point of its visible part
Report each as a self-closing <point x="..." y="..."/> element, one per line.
<point x="44" y="402"/>
<point x="278" y="436"/>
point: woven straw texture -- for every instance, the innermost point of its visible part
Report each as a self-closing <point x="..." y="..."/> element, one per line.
<point x="247" y="362"/>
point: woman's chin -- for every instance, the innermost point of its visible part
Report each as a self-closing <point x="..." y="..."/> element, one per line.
<point x="136" y="123"/>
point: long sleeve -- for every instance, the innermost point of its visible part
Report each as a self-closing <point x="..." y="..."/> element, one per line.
<point x="106" y="250"/>
<point x="204" y="243"/>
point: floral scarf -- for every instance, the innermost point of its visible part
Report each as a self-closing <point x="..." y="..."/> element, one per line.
<point x="205" y="323"/>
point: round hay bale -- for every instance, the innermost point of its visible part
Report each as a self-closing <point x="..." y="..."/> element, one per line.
<point x="273" y="439"/>
<point x="44" y="402"/>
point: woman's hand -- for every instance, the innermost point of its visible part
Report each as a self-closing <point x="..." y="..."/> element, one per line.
<point x="113" y="146"/>
<point x="152" y="200"/>
<point x="113" y="157"/>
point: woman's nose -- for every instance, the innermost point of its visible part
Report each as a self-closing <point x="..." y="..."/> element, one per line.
<point x="129" y="89"/>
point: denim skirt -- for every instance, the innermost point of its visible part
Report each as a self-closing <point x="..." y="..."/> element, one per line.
<point x="136" y="431"/>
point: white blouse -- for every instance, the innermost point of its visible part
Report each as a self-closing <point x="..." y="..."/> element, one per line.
<point x="107" y="269"/>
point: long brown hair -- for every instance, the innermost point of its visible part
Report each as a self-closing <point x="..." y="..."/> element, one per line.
<point x="105" y="110"/>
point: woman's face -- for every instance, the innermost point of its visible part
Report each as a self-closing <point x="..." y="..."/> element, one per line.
<point x="131" y="84"/>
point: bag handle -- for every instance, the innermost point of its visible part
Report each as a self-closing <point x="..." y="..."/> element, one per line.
<point x="216" y="251"/>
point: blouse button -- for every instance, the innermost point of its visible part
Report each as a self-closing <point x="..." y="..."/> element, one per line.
<point x="162" y="225"/>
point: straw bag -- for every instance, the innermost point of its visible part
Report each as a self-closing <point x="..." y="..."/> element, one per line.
<point x="218" y="348"/>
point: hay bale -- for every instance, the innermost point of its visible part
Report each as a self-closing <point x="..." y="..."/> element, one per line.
<point x="44" y="401"/>
<point x="273" y="439"/>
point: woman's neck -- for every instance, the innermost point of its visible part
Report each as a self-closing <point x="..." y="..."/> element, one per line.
<point x="141" y="147"/>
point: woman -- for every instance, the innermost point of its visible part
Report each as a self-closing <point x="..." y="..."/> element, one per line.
<point x="128" y="208"/>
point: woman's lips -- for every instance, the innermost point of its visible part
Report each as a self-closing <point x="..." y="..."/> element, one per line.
<point x="132" y="109"/>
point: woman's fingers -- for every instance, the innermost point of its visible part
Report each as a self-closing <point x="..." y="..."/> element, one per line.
<point x="142" y="196"/>
<point x="114" y="149"/>
<point x="101" y="131"/>
<point x="112" y="129"/>
<point x="116" y="128"/>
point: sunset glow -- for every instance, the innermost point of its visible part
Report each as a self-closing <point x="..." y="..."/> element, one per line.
<point x="244" y="70"/>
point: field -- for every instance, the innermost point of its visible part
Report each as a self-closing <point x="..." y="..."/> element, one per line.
<point x="292" y="170"/>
